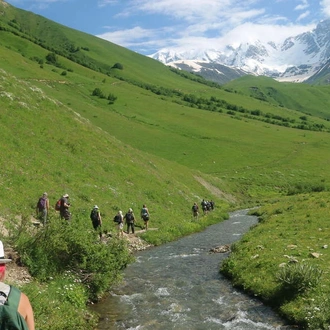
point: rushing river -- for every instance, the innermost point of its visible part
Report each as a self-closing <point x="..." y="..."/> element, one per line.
<point x="178" y="286"/>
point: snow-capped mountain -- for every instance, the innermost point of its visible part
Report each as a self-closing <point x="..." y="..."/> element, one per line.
<point x="297" y="59"/>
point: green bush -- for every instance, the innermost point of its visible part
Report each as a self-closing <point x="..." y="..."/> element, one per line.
<point x="98" y="92"/>
<point x="112" y="98"/>
<point x="298" y="277"/>
<point x="51" y="58"/>
<point x="118" y="66"/>
<point x="61" y="247"/>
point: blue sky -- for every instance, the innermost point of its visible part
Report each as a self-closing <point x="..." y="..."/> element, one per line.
<point x="146" y="26"/>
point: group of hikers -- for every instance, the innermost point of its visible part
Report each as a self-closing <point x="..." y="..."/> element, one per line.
<point x="130" y="220"/>
<point x="20" y="312"/>
<point x="63" y="205"/>
<point x="206" y="207"/>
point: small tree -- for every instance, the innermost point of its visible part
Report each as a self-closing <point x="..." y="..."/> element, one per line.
<point x="51" y="58"/>
<point x="112" y="98"/>
<point x="118" y="66"/>
<point x="97" y="92"/>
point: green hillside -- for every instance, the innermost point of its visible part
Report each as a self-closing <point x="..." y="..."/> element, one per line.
<point x="310" y="100"/>
<point x="83" y="116"/>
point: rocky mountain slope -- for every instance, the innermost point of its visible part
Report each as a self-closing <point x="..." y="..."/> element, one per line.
<point x="297" y="59"/>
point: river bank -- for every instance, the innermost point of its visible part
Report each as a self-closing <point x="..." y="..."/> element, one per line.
<point x="18" y="274"/>
<point x="179" y="283"/>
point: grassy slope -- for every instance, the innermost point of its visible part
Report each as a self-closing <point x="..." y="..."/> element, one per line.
<point x="49" y="147"/>
<point x="147" y="148"/>
<point x="220" y="145"/>
<point x="308" y="99"/>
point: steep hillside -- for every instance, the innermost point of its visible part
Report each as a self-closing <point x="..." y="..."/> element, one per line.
<point x="47" y="146"/>
<point x="173" y="116"/>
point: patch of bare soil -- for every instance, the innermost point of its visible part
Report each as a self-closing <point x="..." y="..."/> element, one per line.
<point x="16" y="273"/>
<point x="216" y="191"/>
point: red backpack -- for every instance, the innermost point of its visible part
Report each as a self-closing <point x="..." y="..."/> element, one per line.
<point x="58" y="205"/>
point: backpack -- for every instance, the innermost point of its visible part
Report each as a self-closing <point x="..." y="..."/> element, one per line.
<point x="145" y="215"/>
<point x="41" y="203"/>
<point x="129" y="217"/>
<point x="117" y="218"/>
<point x="94" y="215"/>
<point x="58" y="205"/>
<point x="195" y="208"/>
<point x="10" y="318"/>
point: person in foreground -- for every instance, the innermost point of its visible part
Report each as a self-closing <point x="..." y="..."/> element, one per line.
<point x="15" y="308"/>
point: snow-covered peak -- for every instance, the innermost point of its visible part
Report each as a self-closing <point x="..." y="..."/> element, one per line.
<point x="296" y="58"/>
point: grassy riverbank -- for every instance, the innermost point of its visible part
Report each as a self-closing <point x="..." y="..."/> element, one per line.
<point x="285" y="259"/>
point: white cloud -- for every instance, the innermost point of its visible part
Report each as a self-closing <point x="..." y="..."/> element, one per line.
<point x="325" y="7"/>
<point x="303" y="15"/>
<point x="250" y="32"/>
<point x="128" y="36"/>
<point x="206" y="24"/>
<point x="103" y="3"/>
<point x="302" y="6"/>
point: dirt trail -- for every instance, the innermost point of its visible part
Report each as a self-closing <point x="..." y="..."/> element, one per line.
<point x="216" y="191"/>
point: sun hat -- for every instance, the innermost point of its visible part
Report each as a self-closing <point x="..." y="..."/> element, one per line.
<point x="66" y="195"/>
<point x="130" y="210"/>
<point x="2" y="255"/>
<point x="96" y="207"/>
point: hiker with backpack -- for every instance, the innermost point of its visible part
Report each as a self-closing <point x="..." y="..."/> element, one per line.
<point x="204" y="206"/>
<point x="129" y="220"/>
<point x="145" y="216"/>
<point x="119" y="219"/>
<point x="42" y="208"/>
<point x="195" y="211"/>
<point x="16" y="312"/>
<point x="96" y="219"/>
<point x="64" y="207"/>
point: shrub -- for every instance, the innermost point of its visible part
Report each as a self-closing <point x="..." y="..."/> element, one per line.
<point x="98" y="92"/>
<point x="298" y="277"/>
<point x="112" y="98"/>
<point x="61" y="247"/>
<point x="118" y="66"/>
<point x="51" y="58"/>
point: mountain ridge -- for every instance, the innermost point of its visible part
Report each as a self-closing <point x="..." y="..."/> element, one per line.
<point x="297" y="59"/>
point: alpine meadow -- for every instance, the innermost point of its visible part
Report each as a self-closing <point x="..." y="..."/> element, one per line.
<point x="83" y="116"/>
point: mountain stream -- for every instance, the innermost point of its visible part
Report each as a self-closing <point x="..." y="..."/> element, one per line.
<point x="178" y="286"/>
